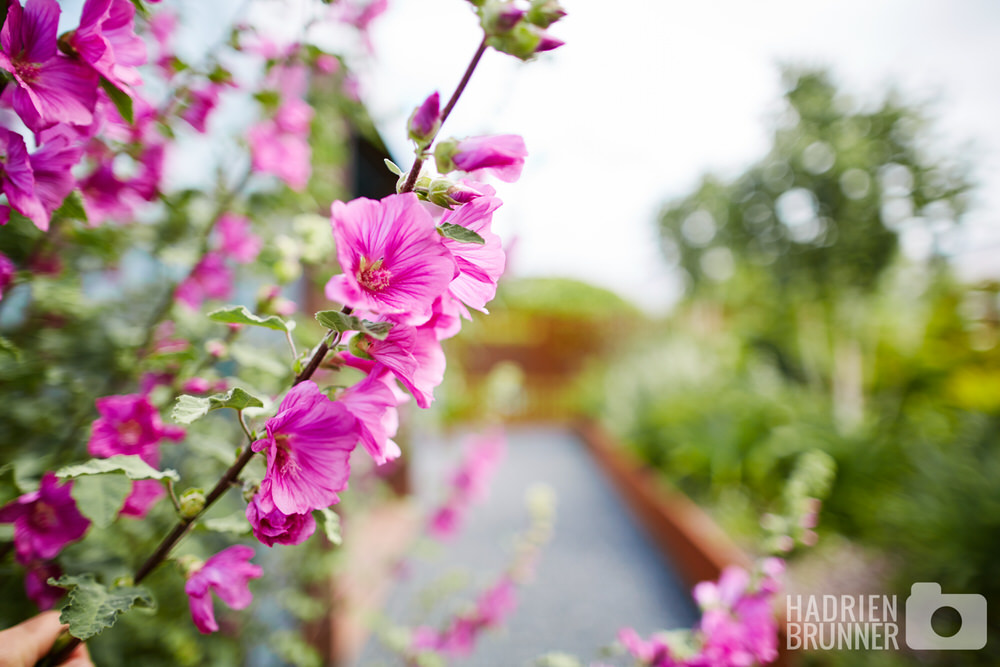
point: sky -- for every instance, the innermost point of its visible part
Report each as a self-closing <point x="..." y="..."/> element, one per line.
<point x="645" y="97"/>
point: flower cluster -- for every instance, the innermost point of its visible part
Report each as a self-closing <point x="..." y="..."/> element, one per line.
<point x="490" y="610"/>
<point x="737" y="627"/>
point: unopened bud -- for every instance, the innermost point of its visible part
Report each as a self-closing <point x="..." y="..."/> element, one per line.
<point x="191" y="502"/>
<point x="439" y="193"/>
<point x="443" y="154"/>
<point x="189" y="565"/>
<point x="498" y="17"/>
<point x="425" y="120"/>
<point x="544" y="13"/>
<point x="359" y="345"/>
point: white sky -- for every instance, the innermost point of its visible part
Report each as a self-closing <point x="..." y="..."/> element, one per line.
<point x="648" y="95"/>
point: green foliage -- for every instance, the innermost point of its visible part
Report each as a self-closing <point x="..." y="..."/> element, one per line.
<point x="132" y="467"/>
<point x="329" y="522"/>
<point x="121" y="100"/>
<point x="100" y="497"/>
<point x="189" y="409"/>
<point x="338" y="321"/>
<point x="460" y="233"/>
<point x="242" y="315"/>
<point x="92" y="607"/>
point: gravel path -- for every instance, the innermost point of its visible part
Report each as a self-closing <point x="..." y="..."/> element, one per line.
<point x="598" y="573"/>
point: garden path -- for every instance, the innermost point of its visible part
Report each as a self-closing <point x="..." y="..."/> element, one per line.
<point x="598" y="573"/>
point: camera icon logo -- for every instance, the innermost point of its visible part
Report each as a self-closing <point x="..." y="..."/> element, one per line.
<point x="925" y="599"/>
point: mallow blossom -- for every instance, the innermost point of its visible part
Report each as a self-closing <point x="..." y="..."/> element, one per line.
<point x="272" y="526"/>
<point x="501" y="155"/>
<point x="469" y="482"/>
<point x="480" y="265"/>
<point x="236" y="240"/>
<point x="106" y="41"/>
<point x="7" y="271"/>
<point x="228" y="573"/>
<point x="211" y="278"/>
<point x="392" y="257"/>
<point x="373" y="404"/>
<point x="129" y="424"/>
<point x="44" y="521"/>
<point x="308" y="444"/>
<point x="412" y="354"/>
<point x="48" y="87"/>
<point x="459" y="637"/>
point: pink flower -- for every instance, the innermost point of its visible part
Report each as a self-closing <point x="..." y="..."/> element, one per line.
<point x="106" y="40"/>
<point x="227" y="573"/>
<point x="501" y="155"/>
<point x="470" y="481"/>
<point x="373" y="404"/>
<point x="480" y="266"/>
<point x="272" y="526"/>
<point x="203" y="101"/>
<point x="210" y="279"/>
<point x="392" y="257"/>
<point x="145" y="494"/>
<point x="426" y="118"/>
<point x="654" y="652"/>
<point x="287" y="156"/>
<point x="309" y="444"/>
<point x="446" y="316"/>
<point x="7" y="271"/>
<point x="458" y="639"/>
<point x="236" y="240"/>
<point x="44" y="521"/>
<point x="51" y="165"/>
<point x="129" y="424"/>
<point x="412" y="354"/>
<point x="18" y="179"/>
<point x="37" y="587"/>
<point x="50" y="88"/>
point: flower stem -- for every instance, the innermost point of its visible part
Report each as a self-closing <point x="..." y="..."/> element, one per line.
<point x="411" y="178"/>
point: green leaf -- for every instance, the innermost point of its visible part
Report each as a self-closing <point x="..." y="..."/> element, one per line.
<point x="121" y="99"/>
<point x="100" y="497"/>
<point x="92" y="607"/>
<point x="339" y="321"/>
<point x="460" y="233"/>
<point x="241" y="315"/>
<point x="133" y="467"/>
<point x="330" y="523"/>
<point x="190" y="408"/>
<point x="393" y="167"/>
<point x="234" y="524"/>
<point x="72" y="207"/>
<point x="9" y="490"/>
<point x="10" y="348"/>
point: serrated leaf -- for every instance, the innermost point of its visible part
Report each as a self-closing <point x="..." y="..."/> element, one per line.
<point x="190" y="408"/>
<point x="393" y="167"/>
<point x="329" y="522"/>
<point x="100" y="497"/>
<point x="92" y="607"/>
<point x="460" y="234"/>
<point x="242" y="315"/>
<point x="234" y="524"/>
<point x="339" y="321"/>
<point x="121" y="100"/>
<point x="72" y="207"/>
<point x="132" y="467"/>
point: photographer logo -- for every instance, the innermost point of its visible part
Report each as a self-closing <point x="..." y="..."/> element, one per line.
<point x="927" y="598"/>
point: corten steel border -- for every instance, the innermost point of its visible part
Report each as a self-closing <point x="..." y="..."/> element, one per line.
<point x="686" y="536"/>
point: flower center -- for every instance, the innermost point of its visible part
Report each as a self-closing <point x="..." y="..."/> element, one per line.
<point x="372" y="276"/>
<point x="284" y="462"/>
<point x="130" y="433"/>
<point x="25" y="71"/>
<point x="43" y="516"/>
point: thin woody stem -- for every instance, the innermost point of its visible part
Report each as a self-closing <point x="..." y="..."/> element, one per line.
<point x="411" y="178"/>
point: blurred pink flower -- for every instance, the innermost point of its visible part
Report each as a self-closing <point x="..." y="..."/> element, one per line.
<point x="209" y="279"/>
<point x="129" y="424"/>
<point x="37" y="587"/>
<point x="145" y="493"/>
<point x="228" y="573"/>
<point x="236" y="240"/>
<point x="7" y="271"/>
<point x="44" y="521"/>
<point x="501" y="155"/>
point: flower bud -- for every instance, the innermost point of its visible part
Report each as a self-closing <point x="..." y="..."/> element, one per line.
<point x="189" y="564"/>
<point x="191" y="502"/>
<point x="443" y="154"/>
<point x="438" y="193"/>
<point x="544" y="13"/>
<point x="425" y="120"/>
<point x="498" y="17"/>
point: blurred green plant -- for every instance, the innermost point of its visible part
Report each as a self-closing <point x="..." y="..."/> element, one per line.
<point x="805" y="329"/>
